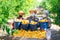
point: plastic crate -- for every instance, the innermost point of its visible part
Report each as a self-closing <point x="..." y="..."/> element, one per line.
<point x="25" y="26"/>
<point x="33" y="27"/>
<point x="43" y="25"/>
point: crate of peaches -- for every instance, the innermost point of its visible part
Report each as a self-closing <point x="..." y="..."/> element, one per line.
<point x="24" y="24"/>
<point x="43" y="24"/>
<point x="17" y="24"/>
<point x="33" y="25"/>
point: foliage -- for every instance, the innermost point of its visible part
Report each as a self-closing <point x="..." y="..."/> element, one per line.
<point x="9" y="8"/>
<point x="54" y="7"/>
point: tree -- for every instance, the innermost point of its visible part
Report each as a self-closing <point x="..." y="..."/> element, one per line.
<point x="54" y="7"/>
<point x="9" y="8"/>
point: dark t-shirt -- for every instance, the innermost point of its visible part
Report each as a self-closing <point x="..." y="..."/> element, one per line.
<point x="33" y="19"/>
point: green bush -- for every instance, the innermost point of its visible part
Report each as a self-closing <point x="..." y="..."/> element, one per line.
<point x="9" y="8"/>
<point x="54" y="7"/>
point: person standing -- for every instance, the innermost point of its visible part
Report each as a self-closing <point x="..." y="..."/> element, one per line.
<point x="19" y="18"/>
<point x="20" y="15"/>
<point x="33" y="18"/>
<point x="48" y="30"/>
<point x="45" y="15"/>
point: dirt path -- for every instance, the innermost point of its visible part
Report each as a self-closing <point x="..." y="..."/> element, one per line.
<point x="55" y="35"/>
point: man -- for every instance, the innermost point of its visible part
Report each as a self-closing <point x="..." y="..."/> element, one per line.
<point x="48" y="30"/>
<point x="20" y="15"/>
<point x="33" y="17"/>
<point x="45" y="16"/>
<point x="19" y="18"/>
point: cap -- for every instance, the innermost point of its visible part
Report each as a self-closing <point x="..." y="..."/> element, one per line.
<point x="20" y="12"/>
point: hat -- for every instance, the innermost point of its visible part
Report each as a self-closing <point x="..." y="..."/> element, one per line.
<point x="33" y="11"/>
<point x="20" y="12"/>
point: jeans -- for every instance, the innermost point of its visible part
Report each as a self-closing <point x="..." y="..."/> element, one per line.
<point x="48" y="34"/>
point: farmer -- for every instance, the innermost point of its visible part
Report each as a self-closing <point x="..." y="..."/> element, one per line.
<point x="33" y="16"/>
<point x="20" y="17"/>
<point x="48" y="30"/>
<point x="45" y="16"/>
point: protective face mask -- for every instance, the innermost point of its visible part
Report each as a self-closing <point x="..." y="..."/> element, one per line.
<point x="33" y="14"/>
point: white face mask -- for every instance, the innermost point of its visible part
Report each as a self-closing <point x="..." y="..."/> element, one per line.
<point x="33" y="14"/>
